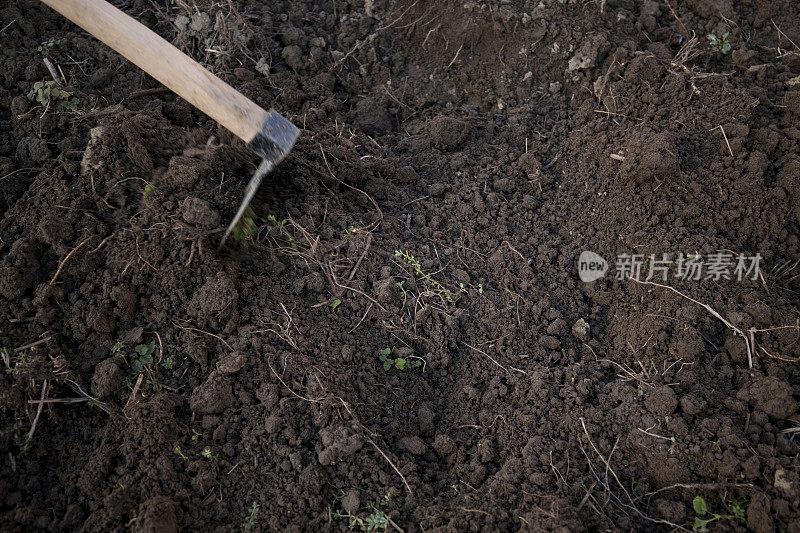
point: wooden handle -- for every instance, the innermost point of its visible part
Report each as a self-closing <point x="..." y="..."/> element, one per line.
<point x="182" y="74"/>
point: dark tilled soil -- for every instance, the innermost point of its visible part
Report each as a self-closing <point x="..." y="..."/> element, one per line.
<point x="153" y="382"/>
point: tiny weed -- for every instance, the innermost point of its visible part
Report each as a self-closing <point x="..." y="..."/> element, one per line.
<point x="252" y="518"/>
<point x="206" y="453"/>
<point x="431" y="285"/>
<point x="246" y="227"/>
<point x="148" y="190"/>
<point x="49" y="93"/>
<point x="277" y="230"/>
<point x="336" y="303"/>
<point x="142" y="355"/>
<point x="179" y="453"/>
<point x="719" y="44"/>
<point x="404" y="292"/>
<point x="374" y="520"/>
<point x="400" y="363"/>
<point x="118" y="350"/>
<point x="47" y="46"/>
<point x="480" y="288"/>
<point x="737" y="508"/>
<point x="700" y="524"/>
<point x="168" y="363"/>
<point x="717" y="446"/>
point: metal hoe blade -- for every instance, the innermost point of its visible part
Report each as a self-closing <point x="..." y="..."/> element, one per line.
<point x="273" y="142"/>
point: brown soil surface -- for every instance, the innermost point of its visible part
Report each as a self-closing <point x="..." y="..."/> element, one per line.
<point x="477" y="137"/>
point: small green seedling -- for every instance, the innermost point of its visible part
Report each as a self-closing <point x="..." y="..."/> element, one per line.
<point x="400" y="363"/>
<point x="252" y="518"/>
<point x="376" y="520"/>
<point x="737" y="508"/>
<point x="49" y="93"/>
<point x="720" y="44"/>
<point x="142" y="355"/>
<point x="118" y="350"/>
<point x="480" y="288"/>
<point x="431" y="285"/>
<point x="148" y="190"/>
<point x="336" y="303"/>
<point x="277" y="230"/>
<point x="168" y="363"/>
<point x="206" y="453"/>
<point x="179" y="453"/>
<point x="404" y="292"/>
<point x="47" y="46"/>
<point x="246" y="227"/>
<point x="701" y="509"/>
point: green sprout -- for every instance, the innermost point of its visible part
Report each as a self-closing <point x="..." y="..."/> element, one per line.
<point x="336" y="303"/>
<point x="168" y="363"/>
<point x="277" y="230"/>
<point x="118" y="350"/>
<point x="431" y="285"/>
<point x="737" y="508"/>
<point x="720" y="44"/>
<point x="404" y="292"/>
<point x="49" y="93"/>
<point x="252" y="518"/>
<point x="700" y="524"/>
<point x="179" y="453"/>
<point x="375" y="520"/>
<point x="143" y="355"/>
<point x="400" y="363"/>
<point x="48" y="45"/>
<point x="148" y="190"/>
<point x="246" y="227"/>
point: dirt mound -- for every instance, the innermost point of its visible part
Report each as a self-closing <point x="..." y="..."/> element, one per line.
<point x="398" y="335"/>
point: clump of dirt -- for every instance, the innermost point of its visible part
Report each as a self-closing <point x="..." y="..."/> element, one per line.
<point x="400" y="336"/>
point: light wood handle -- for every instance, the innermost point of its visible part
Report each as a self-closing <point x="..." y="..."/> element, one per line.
<point x="182" y="74"/>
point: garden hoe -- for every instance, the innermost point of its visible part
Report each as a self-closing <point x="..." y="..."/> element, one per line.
<point x="267" y="133"/>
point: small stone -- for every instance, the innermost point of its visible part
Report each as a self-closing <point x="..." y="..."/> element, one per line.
<point x="580" y="330"/>
<point x="108" y="374"/>
<point x="426" y="421"/>
<point x="774" y="397"/>
<point x="200" y="22"/>
<point x="213" y="396"/>
<point x="351" y="501"/>
<point x="558" y="327"/>
<point x="447" y="133"/>
<point x="444" y="445"/>
<point x="529" y="164"/>
<point x="293" y="57"/>
<point x="232" y="363"/>
<point x="415" y="445"/>
<point x="199" y="213"/>
<point x="273" y="424"/>
<point x="786" y="482"/>
<point x="550" y="342"/>
<point x="19" y="105"/>
<point x="759" y="518"/>
<point x="662" y="401"/>
<point x="692" y="404"/>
